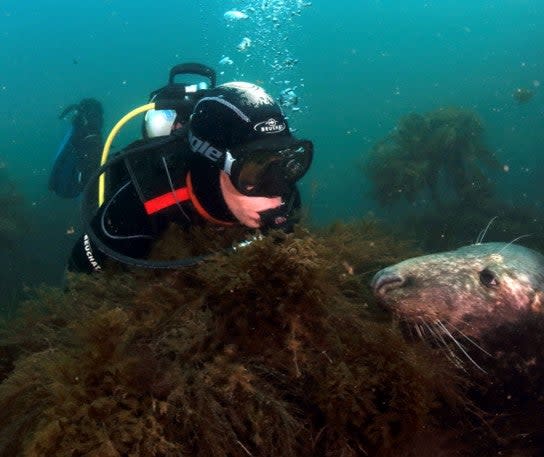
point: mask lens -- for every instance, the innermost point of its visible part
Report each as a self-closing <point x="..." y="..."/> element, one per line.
<point x="269" y="172"/>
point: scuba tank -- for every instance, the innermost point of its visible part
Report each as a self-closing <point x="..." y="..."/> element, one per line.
<point x="170" y="106"/>
<point x="175" y="101"/>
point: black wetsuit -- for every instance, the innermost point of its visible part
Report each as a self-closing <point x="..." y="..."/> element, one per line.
<point x="157" y="188"/>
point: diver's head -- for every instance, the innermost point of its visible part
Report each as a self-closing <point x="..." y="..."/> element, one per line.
<point x="241" y="130"/>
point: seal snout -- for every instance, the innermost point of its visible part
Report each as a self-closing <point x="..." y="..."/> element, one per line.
<point x="386" y="280"/>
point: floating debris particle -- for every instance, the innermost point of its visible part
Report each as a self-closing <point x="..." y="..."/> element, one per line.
<point x="235" y="15"/>
<point x="244" y="44"/>
<point x="225" y="60"/>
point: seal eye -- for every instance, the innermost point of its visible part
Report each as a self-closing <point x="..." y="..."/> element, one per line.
<point x="488" y="278"/>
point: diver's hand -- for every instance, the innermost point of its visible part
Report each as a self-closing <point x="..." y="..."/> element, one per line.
<point x="246" y="209"/>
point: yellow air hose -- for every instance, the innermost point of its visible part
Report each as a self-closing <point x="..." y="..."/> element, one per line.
<point x="127" y="117"/>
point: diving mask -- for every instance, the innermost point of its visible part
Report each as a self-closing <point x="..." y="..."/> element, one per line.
<point x="268" y="167"/>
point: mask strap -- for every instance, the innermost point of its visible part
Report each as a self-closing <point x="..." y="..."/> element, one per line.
<point x="222" y="159"/>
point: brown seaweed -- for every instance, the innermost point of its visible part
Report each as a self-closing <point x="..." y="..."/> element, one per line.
<point x="269" y="350"/>
<point x="436" y="156"/>
<point x="435" y="173"/>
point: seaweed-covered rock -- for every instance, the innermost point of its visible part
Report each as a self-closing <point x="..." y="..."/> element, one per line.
<point x="270" y="350"/>
<point x="438" y="156"/>
<point x="435" y="176"/>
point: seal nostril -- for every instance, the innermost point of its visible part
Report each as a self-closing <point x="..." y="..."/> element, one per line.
<point x="385" y="281"/>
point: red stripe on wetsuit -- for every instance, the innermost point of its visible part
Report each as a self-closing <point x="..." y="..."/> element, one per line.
<point x="180" y="195"/>
<point x="164" y="201"/>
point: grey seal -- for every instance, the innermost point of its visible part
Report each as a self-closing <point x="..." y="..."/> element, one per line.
<point x="481" y="304"/>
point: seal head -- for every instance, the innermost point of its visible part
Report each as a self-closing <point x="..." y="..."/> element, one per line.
<point x="472" y="289"/>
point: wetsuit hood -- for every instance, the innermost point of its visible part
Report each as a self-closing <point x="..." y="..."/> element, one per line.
<point x="207" y="189"/>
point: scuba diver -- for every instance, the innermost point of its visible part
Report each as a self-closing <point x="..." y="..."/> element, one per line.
<point x="79" y="153"/>
<point x="228" y="160"/>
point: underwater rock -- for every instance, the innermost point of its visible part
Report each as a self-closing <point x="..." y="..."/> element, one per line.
<point x="439" y="156"/>
<point x="435" y="176"/>
<point x="272" y="350"/>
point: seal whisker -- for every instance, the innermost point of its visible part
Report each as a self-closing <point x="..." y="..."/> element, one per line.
<point x="469" y="339"/>
<point x="439" y="339"/>
<point x="459" y="345"/>
<point x="513" y="241"/>
<point x="453" y="358"/>
<point x="419" y="332"/>
<point x="431" y="332"/>
<point x="482" y="234"/>
<point x="426" y="332"/>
